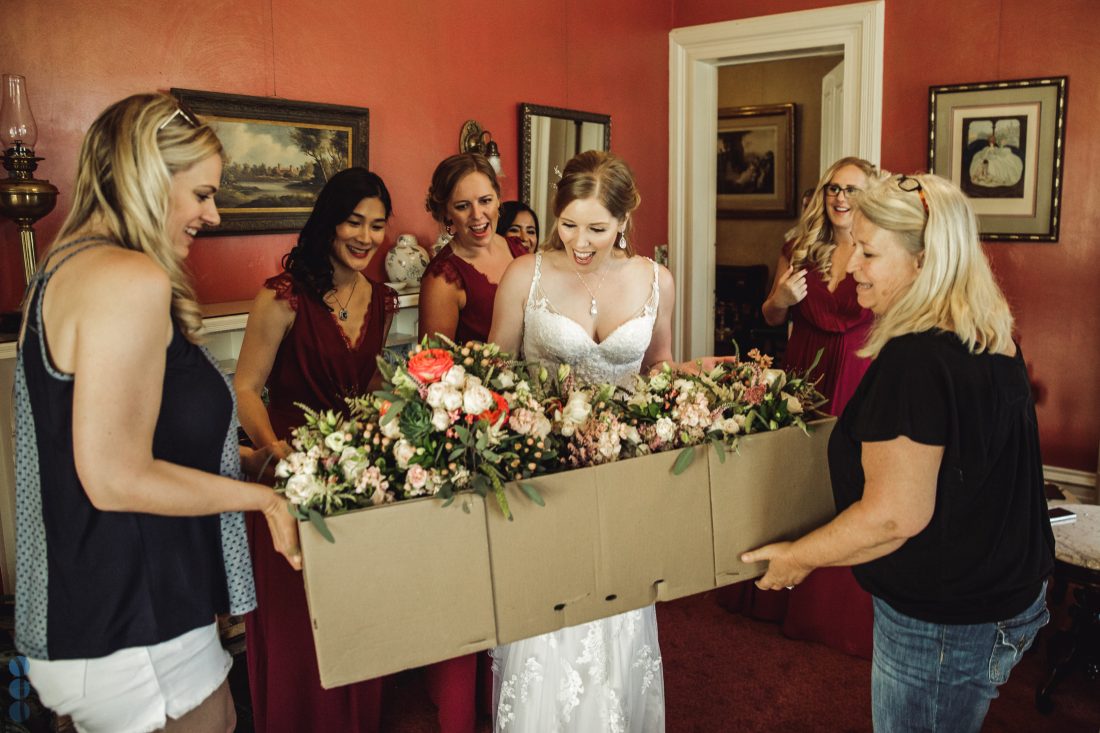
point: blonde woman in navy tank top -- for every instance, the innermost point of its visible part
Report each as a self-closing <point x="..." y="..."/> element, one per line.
<point x="129" y="533"/>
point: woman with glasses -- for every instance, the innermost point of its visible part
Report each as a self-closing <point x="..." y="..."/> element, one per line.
<point x="814" y="292"/>
<point x="935" y="468"/>
<point x="129" y="536"/>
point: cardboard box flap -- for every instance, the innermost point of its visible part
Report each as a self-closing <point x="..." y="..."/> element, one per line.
<point x="411" y="565"/>
<point x="776" y="487"/>
<point x="546" y="561"/>
<point x="655" y="530"/>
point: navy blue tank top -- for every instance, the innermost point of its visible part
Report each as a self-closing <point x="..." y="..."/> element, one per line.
<point x="91" y="582"/>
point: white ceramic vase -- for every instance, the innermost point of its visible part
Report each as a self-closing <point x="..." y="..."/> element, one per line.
<point x="405" y="263"/>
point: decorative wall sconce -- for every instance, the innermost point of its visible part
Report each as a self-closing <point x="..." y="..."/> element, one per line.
<point x="475" y="139"/>
<point x="23" y="198"/>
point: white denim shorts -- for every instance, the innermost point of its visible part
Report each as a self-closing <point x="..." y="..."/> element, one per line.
<point x="134" y="690"/>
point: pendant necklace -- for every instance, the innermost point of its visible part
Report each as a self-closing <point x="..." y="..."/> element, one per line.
<point x="342" y="314"/>
<point x="592" y="293"/>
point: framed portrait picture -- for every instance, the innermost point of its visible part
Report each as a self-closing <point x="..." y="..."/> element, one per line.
<point x="756" y="154"/>
<point x="1002" y="143"/>
<point x="278" y="155"/>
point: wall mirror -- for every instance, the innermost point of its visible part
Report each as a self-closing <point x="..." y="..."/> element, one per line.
<point x="549" y="137"/>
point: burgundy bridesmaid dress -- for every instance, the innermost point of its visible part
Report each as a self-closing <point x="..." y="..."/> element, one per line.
<point x="473" y="320"/>
<point x="828" y="606"/>
<point x="316" y="365"/>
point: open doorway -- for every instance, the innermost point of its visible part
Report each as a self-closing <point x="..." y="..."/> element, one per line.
<point x="748" y="241"/>
<point x="695" y="56"/>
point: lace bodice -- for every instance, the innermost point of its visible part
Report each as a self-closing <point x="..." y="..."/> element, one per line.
<point x="552" y="338"/>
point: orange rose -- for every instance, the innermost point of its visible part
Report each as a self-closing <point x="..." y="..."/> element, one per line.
<point x="430" y="365"/>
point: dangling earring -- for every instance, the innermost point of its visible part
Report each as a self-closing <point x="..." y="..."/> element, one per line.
<point x="448" y="227"/>
<point x="622" y="240"/>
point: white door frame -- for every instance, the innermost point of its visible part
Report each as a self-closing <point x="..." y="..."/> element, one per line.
<point x="695" y="53"/>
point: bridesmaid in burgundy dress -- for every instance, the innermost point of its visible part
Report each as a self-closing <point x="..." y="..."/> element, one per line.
<point x="457" y="292"/>
<point x="456" y="300"/>
<point x="812" y="287"/>
<point x="312" y="337"/>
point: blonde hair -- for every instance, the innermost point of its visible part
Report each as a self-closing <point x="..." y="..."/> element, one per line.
<point x="814" y="238"/>
<point x="954" y="289"/>
<point x="124" y="180"/>
<point x="605" y="177"/>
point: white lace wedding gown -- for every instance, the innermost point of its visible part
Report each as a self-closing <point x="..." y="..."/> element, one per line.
<point x="605" y="675"/>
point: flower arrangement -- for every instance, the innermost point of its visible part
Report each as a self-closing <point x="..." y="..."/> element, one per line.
<point x="470" y="417"/>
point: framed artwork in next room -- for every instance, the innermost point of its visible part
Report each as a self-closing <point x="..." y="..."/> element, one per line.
<point x="1002" y="143"/>
<point x="278" y="155"/>
<point x="757" y="146"/>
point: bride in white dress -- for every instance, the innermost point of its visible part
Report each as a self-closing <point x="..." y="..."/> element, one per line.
<point x="587" y="301"/>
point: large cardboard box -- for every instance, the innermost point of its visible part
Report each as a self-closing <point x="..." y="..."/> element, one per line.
<point x="610" y="539"/>
<point x="404" y="585"/>
<point x="412" y="583"/>
<point x="775" y="486"/>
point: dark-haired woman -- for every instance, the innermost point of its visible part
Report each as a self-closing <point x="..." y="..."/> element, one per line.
<point x="517" y="219"/>
<point x="312" y="337"/>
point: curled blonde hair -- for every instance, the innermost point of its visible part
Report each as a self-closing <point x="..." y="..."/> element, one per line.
<point x="814" y="236"/>
<point x="954" y="289"/>
<point x="123" y="184"/>
<point x="605" y="177"/>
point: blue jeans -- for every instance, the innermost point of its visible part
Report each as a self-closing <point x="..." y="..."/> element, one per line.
<point x="941" y="677"/>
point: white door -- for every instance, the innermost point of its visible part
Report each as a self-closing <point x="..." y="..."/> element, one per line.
<point x="832" y="117"/>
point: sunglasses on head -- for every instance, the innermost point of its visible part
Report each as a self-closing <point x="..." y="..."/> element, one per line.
<point x="909" y="184"/>
<point x="181" y="111"/>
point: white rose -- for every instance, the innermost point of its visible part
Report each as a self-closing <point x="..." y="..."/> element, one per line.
<point x="403" y="451"/>
<point x="506" y="380"/>
<point x="729" y="426"/>
<point x="476" y="399"/>
<point x="794" y="406"/>
<point x="436" y="392"/>
<point x="335" y="441"/>
<point x="455" y="378"/>
<point x="282" y="469"/>
<point x="301" y="488"/>
<point x="542" y="425"/>
<point x="658" y="382"/>
<point x="772" y="376"/>
<point x="575" y="412"/>
<point x="665" y="429"/>
<point x="392" y="428"/>
<point x="452" y="399"/>
<point x="630" y="434"/>
<point x="441" y="420"/>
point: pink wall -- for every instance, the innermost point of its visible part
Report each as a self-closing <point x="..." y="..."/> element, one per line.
<point x="1051" y="287"/>
<point x="422" y="68"/>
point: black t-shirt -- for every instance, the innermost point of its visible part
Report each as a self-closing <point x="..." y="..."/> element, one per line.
<point x="988" y="547"/>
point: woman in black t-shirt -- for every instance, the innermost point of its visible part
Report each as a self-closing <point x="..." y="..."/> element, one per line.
<point x="935" y="467"/>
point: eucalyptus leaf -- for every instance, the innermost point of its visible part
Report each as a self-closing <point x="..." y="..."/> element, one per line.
<point x="687" y="455"/>
<point x="318" y="523"/>
<point x="532" y="493"/>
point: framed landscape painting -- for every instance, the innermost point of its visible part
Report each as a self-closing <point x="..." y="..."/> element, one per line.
<point x="756" y="154"/>
<point x="278" y="155"/>
<point x="1003" y="144"/>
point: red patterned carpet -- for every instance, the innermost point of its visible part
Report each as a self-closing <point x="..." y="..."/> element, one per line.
<point x="730" y="673"/>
